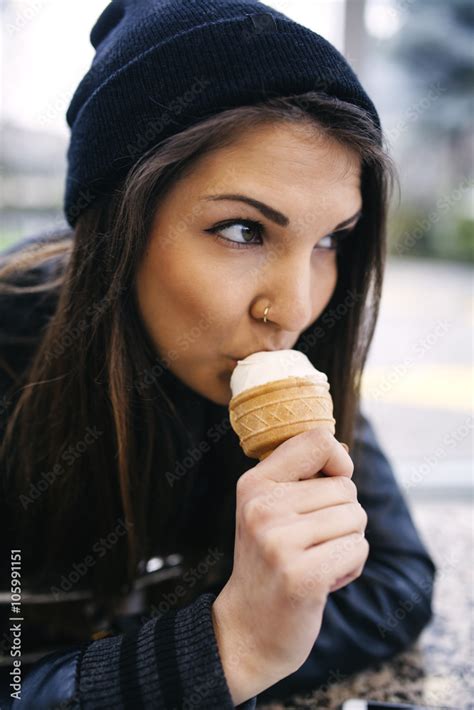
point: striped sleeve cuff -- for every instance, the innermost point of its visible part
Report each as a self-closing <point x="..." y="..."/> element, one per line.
<point x="171" y="663"/>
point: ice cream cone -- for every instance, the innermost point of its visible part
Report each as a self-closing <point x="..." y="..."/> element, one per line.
<point x="266" y="415"/>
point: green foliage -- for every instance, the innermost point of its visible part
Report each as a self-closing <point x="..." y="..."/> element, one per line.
<point x="413" y="233"/>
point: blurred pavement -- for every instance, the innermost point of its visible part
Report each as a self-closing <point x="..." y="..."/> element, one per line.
<point x="418" y="385"/>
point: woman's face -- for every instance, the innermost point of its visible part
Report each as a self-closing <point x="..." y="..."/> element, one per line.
<point x="201" y="295"/>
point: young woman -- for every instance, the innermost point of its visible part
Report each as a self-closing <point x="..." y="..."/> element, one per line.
<point x="227" y="192"/>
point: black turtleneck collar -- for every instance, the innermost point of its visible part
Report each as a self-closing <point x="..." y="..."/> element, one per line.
<point x="193" y="409"/>
<point x="211" y="460"/>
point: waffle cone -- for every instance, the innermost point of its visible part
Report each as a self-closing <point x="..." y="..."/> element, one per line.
<point x="265" y="416"/>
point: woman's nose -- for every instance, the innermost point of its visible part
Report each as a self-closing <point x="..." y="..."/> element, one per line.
<point x="291" y="292"/>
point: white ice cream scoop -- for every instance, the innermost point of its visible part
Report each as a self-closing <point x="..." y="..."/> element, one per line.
<point x="262" y="367"/>
<point x="275" y="396"/>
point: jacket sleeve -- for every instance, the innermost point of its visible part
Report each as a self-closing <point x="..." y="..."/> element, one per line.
<point x="383" y="611"/>
<point x="168" y="663"/>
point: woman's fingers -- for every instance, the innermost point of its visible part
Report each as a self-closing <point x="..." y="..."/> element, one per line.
<point x="318" y="527"/>
<point x="330" y="565"/>
<point x="302" y="457"/>
<point x="314" y="494"/>
<point x="283" y="500"/>
<point x="331" y="523"/>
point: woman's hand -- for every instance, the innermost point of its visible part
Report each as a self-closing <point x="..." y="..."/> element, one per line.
<point x="298" y="538"/>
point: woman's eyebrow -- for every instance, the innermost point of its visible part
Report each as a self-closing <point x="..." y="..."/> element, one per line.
<point x="269" y="212"/>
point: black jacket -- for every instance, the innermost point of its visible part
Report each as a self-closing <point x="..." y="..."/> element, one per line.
<point x="157" y="655"/>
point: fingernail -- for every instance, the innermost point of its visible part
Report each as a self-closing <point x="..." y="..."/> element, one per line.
<point x="345" y="446"/>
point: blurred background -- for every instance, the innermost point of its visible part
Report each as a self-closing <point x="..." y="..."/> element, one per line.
<point x="415" y="58"/>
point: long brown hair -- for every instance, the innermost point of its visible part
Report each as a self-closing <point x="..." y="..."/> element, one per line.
<point x="93" y="349"/>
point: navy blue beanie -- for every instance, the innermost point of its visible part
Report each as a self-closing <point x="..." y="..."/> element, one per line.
<point x="163" y="65"/>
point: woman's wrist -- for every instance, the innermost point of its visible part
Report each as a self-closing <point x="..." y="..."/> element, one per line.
<point x="242" y="667"/>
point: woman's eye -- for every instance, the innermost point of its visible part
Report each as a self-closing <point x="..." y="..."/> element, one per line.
<point x="242" y="233"/>
<point x="239" y="233"/>
<point x="333" y="241"/>
<point x="329" y="242"/>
